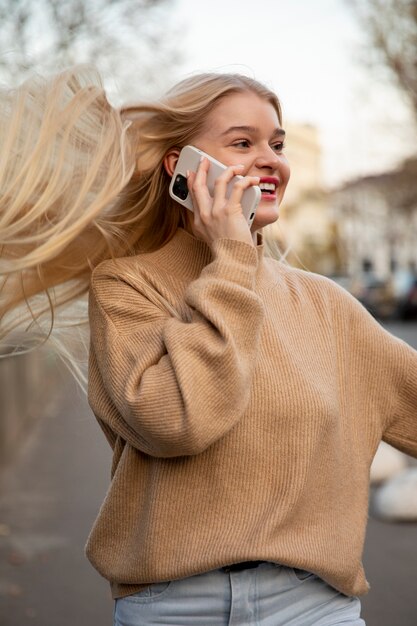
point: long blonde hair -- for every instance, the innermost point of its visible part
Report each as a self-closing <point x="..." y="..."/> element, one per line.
<point x="81" y="182"/>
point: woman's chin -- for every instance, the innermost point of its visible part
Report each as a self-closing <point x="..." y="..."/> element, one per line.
<point x="265" y="215"/>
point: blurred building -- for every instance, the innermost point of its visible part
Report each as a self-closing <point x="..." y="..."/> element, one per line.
<point x="305" y="225"/>
<point x="377" y="222"/>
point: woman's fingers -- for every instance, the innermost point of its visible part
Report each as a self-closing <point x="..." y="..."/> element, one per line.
<point x="218" y="216"/>
<point x="197" y="184"/>
<point x="239" y="187"/>
<point x="220" y="200"/>
<point x="220" y="185"/>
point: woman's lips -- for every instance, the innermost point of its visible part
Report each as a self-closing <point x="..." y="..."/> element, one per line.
<point x="269" y="186"/>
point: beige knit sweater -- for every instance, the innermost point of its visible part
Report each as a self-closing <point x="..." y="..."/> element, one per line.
<point x="244" y="430"/>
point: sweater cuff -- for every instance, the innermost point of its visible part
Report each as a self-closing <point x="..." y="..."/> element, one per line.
<point x="234" y="261"/>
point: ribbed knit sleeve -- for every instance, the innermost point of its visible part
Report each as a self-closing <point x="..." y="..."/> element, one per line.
<point x="176" y="386"/>
<point x="402" y="429"/>
<point x="384" y="371"/>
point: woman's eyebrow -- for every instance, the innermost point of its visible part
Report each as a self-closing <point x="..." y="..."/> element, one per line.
<point x="252" y="129"/>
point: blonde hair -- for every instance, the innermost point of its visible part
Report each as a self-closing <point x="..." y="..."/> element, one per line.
<point x="81" y="182"/>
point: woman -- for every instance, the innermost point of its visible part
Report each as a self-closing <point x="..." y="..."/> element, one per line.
<point x="244" y="400"/>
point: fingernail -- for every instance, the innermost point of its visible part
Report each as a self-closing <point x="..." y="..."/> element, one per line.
<point x="187" y="173"/>
<point x="240" y="165"/>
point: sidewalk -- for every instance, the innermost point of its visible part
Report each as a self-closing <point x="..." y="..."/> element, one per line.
<point x="49" y="498"/>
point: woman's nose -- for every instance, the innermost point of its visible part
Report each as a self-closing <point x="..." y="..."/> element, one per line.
<point x="268" y="158"/>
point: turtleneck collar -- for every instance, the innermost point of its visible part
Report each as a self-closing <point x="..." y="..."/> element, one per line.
<point x="187" y="255"/>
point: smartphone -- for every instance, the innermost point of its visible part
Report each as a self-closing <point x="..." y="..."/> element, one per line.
<point x="189" y="159"/>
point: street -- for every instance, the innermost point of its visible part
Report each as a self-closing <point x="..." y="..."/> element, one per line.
<point x="51" y="493"/>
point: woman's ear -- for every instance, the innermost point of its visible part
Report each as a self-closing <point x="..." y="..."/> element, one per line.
<point x="170" y="160"/>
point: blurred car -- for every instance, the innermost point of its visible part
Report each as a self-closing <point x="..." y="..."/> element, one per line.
<point x="385" y="299"/>
<point x="343" y="280"/>
<point x="407" y="304"/>
<point x="376" y="296"/>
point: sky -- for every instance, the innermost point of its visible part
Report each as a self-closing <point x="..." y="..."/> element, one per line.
<point x="309" y="52"/>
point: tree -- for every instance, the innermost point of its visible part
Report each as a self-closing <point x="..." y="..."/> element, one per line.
<point x="127" y="40"/>
<point x="391" y="28"/>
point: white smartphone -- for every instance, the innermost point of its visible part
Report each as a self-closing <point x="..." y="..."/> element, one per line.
<point x="189" y="159"/>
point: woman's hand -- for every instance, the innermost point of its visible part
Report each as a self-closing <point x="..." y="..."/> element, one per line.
<point x="219" y="217"/>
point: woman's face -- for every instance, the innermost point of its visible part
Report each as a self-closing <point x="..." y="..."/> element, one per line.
<point x="244" y="129"/>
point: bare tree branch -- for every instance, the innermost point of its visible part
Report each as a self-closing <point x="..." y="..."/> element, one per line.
<point x="129" y="40"/>
<point x="391" y="29"/>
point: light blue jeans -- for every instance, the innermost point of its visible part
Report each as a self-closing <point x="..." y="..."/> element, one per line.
<point x="269" y="595"/>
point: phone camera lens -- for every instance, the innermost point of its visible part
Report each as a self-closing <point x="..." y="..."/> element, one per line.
<point x="179" y="187"/>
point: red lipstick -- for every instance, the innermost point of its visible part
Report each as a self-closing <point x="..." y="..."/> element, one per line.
<point x="269" y="186"/>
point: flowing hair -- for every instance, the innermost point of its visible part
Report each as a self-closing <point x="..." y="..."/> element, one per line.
<point x="81" y="182"/>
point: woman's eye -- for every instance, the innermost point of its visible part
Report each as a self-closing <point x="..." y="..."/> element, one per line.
<point x="279" y="147"/>
<point x="243" y="143"/>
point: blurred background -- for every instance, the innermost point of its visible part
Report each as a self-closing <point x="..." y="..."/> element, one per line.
<point x="346" y="74"/>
